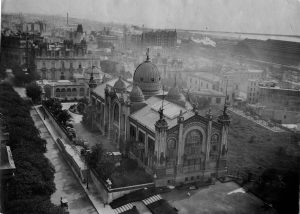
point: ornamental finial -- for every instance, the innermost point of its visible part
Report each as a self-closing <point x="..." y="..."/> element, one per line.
<point x="147" y="54"/>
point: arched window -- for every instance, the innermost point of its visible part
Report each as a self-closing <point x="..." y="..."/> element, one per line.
<point x="81" y="91"/>
<point x="171" y="150"/>
<point x="57" y="92"/>
<point x="193" y="142"/>
<point x="74" y="91"/>
<point x="116" y="113"/>
<point x="63" y="92"/>
<point x="193" y="137"/>
<point x="69" y="92"/>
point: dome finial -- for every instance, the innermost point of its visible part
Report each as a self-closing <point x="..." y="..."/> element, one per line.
<point x="147" y="54"/>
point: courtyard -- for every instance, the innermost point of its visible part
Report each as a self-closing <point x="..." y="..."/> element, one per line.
<point x="219" y="198"/>
<point x="83" y="133"/>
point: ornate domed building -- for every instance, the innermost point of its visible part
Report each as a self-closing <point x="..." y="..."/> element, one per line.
<point x="147" y="77"/>
<point x="167" y="136"/>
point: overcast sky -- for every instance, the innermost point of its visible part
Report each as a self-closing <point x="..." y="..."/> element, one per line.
<point x="258" y="16"/>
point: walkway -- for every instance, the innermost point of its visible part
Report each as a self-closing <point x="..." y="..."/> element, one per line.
<point x="91" y="192"/>
<point x="262" y="123"/>
<point x="66" y="184"/>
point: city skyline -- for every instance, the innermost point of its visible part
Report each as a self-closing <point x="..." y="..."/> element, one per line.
<point x="279" y="17"/>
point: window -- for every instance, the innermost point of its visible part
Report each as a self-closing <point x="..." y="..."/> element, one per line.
<point x="152" y="79"/>
<point x="132" y="132"/>
<point x="186" y="179"/>
<point x="214" y="147"/>
<point x="116" y="113"/>
<point x="141" y="137"/>
<point x="81" y="91"/>
<point x="218" y="100"/>
<point x="142" y="79"/>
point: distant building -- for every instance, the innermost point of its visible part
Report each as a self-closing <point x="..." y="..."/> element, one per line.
<point x="253" y="91"/>
<point x="214" y="98"/>
<point x="237" y="82"/>
<point x="163" y="38"/>
<point x="281" y="105"/>
<point x="34" y="27"/>
<point x="106" y="40"/>
<point x="202" y="80"/>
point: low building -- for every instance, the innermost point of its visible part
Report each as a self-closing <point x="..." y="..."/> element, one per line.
<point x="202" y="80"/>
<point x="214" y="98"/>
<point x="281" y="105"/>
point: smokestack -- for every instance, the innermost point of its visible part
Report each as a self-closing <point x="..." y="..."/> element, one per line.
<point x="67" y="18"/>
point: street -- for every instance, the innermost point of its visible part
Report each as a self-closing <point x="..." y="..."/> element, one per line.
<point x="67" y="186"/>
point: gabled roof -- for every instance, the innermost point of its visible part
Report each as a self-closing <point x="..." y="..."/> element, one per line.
<point x="148" y="115"/>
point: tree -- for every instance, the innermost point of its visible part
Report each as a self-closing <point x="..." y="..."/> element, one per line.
<point x="34" y="92"/>
<point x="63" y="117"/>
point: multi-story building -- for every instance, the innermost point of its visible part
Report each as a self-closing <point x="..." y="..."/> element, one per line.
<point x="77" y="88"/>
<point x="253" y="91"/>
<point x="235" y="82"/>
<point x="19" y="49"/>
<point x="34" y="27"/>
<point x="60" y="61"/>
<point x="163" y="38"/>
<point x="281" y="105"/>
<point x="169" y="138"/>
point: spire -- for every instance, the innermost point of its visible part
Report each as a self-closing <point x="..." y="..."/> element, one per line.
<point x="92" y="82"/>
<point x="175" y="84"/>
<point x="147" y="54"/>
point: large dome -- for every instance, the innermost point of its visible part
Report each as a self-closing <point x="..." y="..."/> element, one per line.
<point x="147" y="77"/>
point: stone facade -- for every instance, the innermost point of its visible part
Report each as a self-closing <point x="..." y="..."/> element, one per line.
<point x="167" y="137"/>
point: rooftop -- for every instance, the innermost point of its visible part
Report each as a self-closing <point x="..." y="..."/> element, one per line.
<point x="6" y="159"/>
<point x="148" y="115"/>
<point x="206" y="76"/>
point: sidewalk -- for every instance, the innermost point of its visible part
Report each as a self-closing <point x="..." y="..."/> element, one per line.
<point x="91" y="192"/>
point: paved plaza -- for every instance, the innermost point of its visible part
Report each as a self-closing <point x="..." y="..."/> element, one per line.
<point x="219" y="198"/>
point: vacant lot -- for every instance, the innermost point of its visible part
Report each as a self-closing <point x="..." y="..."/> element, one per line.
<point x="254" y="148"/>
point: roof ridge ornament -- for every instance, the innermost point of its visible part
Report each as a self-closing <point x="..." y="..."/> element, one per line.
<point x="147" y="55"/>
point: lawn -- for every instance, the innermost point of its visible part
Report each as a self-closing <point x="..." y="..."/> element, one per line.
<point x="128" y="173"/>
<point x="129" y="176"/>
<point x="254" y="148"/>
